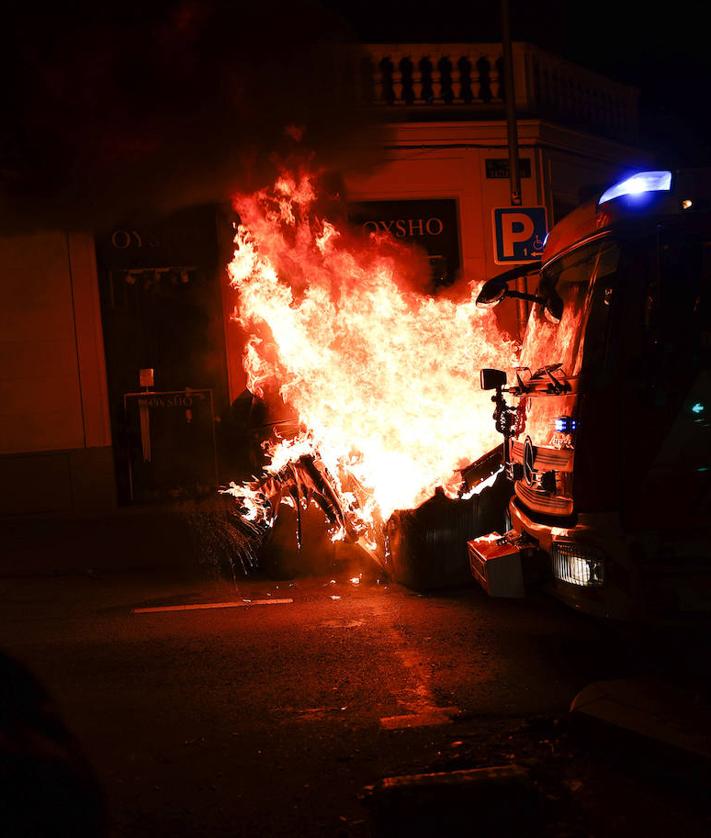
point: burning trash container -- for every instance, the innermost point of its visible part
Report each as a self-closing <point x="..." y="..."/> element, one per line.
<point x="426" y="548"/>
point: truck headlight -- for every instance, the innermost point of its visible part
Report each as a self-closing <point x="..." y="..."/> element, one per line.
<point x="578" y="564"/>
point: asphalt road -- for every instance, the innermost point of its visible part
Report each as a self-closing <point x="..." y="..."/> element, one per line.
<point x="270" y="717"/>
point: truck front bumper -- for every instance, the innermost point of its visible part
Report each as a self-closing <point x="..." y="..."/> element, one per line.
<point x="609" y="576"/>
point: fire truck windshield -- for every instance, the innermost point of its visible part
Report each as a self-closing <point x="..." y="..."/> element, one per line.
<point x="571" y="278"/>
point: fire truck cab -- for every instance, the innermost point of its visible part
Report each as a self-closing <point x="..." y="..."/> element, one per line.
<point x="608" y="439"/>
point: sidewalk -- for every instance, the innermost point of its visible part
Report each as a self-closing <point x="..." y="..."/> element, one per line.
<point x="127" y="539"/>
<point x="188" y="537"/>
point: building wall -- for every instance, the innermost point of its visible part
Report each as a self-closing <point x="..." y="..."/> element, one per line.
<point x="448" y="160"/>
<point x="55" y="443"/>
<point x="576" y="165"/>
<point x="55" y="438"/>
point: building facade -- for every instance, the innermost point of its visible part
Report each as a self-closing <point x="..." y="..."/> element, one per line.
<point x="82" y="314"/>
<point x="447" y="157"/>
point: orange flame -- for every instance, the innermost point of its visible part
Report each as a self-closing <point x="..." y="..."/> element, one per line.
<point x="384" y="379"/>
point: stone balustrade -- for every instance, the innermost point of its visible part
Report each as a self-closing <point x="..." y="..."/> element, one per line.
<point x="470" y="78"/>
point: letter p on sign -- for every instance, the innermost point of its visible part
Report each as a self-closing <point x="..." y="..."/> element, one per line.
<point x="519" y="234"/>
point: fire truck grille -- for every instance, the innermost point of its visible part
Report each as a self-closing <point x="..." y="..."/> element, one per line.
<point x="540" y="501"/>
<point x="546" y="459"/>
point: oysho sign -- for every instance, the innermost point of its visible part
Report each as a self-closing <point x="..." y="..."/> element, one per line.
<point x="433" y="224"/>
<point x="406" y="228"/>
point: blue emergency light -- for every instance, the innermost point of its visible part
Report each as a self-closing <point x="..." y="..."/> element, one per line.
<point x="566" y="424"/>
<point x="638" y="184"/>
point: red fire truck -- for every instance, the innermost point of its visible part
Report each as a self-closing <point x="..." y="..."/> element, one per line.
<point x="608" y="441"/>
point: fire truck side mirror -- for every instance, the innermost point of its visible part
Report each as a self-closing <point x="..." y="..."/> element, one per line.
<point x="554" y="308"/>
<point x="492" y="379"/>
<point x="492" y="292"/>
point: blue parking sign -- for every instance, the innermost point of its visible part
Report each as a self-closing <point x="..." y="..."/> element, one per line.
<point x="519" y="234"/>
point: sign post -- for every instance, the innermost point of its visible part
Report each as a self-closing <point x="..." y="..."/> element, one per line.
<point x="512" y="133"/>
<point x="510" y="103"/>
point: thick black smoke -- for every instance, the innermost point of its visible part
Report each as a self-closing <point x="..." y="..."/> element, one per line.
<point x="135" y="109"/>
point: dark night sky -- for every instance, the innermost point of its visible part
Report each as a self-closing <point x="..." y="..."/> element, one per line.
<point x="154" y="104"/>
<point x="665" y="54"/>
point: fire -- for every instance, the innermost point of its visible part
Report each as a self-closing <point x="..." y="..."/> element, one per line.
<point x="383" y="378"/>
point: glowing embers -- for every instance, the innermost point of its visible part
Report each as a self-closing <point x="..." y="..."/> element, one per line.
<point x="381" y="377"/>
<point x="578" y="564"/>
<point x="253" y="503"/>
<point x="296" y="477"/>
